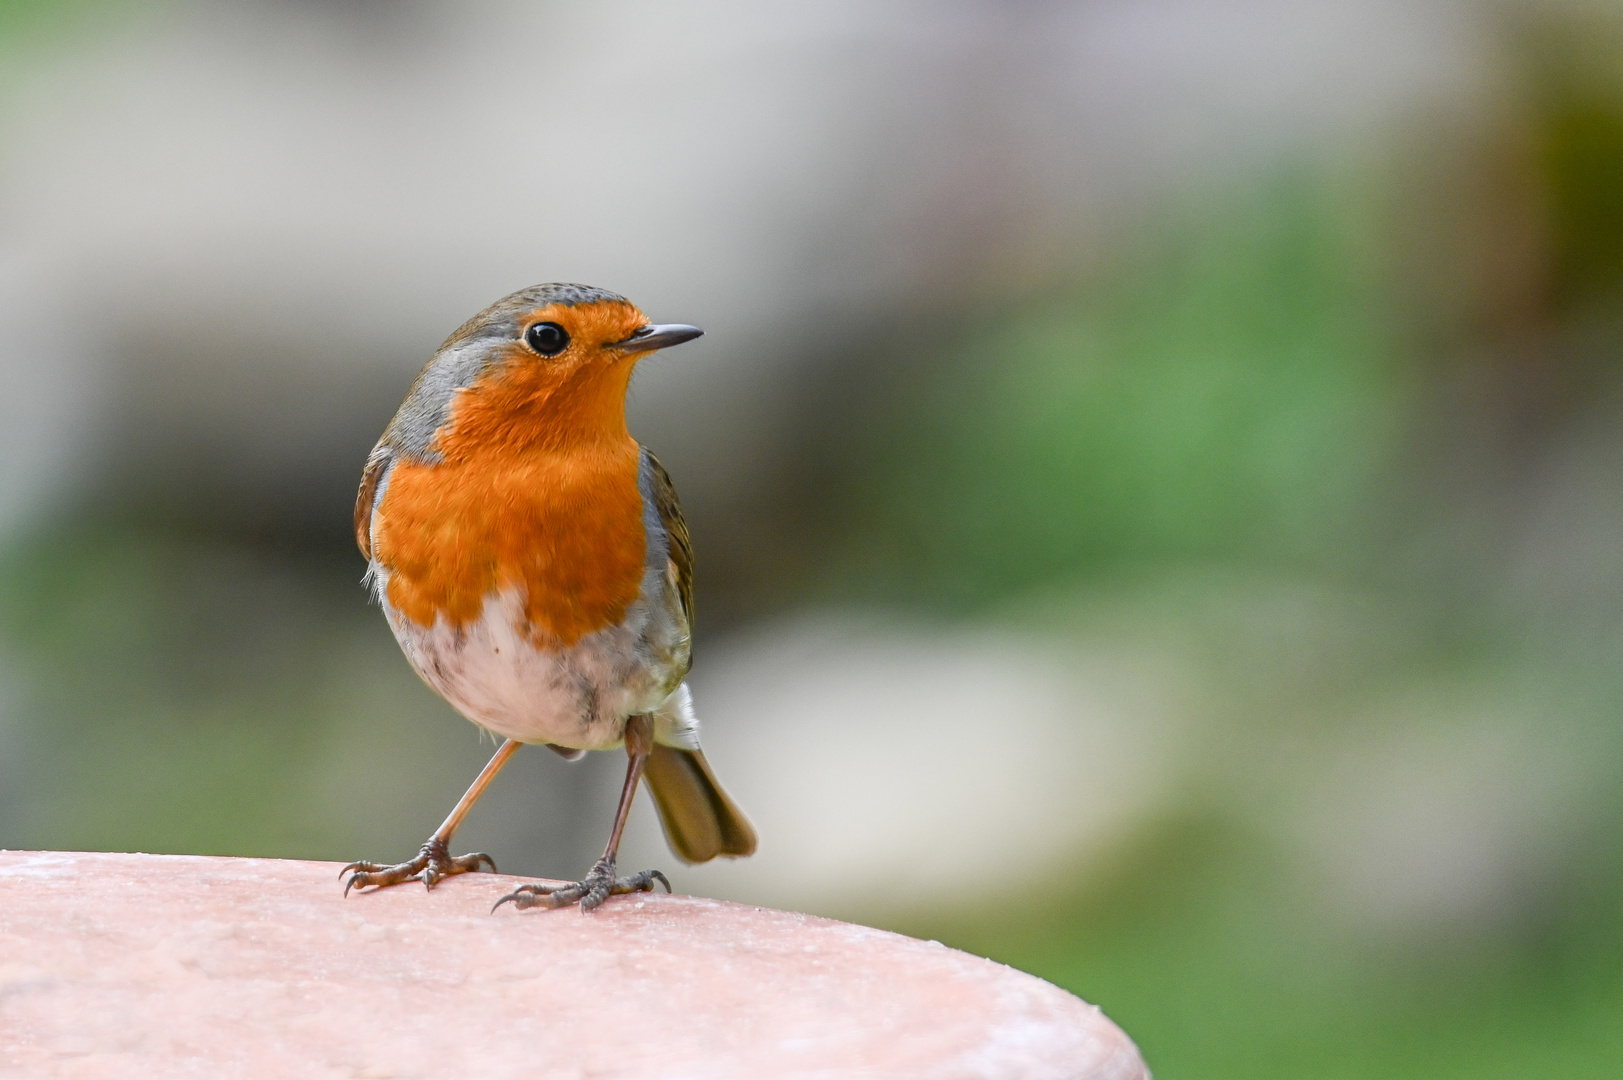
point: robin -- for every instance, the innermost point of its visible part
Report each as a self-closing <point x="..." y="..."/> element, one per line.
<point x="534" y="566"/>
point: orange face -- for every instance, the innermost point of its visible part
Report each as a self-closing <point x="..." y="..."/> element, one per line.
<point x="563" y="400"/>
<point x="537" y="489"/>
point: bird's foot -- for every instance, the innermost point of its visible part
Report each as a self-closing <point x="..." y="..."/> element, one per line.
<point x="591" y="890"/>
<point x="432" y="863"/>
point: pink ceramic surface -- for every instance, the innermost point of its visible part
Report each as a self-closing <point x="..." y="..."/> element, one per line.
<point x="183" y="966"/>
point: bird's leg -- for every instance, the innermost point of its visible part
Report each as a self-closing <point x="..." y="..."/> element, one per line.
<point x="435" y="861"/>
<point x="600" y="883"/>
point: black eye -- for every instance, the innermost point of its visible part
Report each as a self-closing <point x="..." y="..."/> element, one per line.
<point x="547" y="338"/>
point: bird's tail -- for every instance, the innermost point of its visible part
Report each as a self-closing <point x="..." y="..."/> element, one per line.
<point x="700" y="821"/>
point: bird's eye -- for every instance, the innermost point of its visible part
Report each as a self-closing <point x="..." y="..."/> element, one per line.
<point x="547" y="338"/>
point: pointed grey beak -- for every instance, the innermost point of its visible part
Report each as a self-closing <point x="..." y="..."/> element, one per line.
<point x="658" y="336"/>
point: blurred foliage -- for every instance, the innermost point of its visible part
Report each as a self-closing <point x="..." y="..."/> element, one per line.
<point x="176" y="691"/>
<point x="1255" y="383"/>
<point x="1575" y="71"/>
<point x="1224" y="390"/>
<point x="25" y="23"/>
<point x="1191" y="943"/>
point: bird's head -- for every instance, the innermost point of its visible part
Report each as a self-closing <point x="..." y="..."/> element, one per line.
<point x="546" y="366"/>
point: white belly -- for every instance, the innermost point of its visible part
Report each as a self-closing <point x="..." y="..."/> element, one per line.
<point x="577" y="697"/>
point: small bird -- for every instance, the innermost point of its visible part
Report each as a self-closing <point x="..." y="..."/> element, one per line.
<point x="535" y="568"/>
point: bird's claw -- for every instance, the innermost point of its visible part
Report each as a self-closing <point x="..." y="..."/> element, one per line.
<point x="597" y="886"/>
<point x="433" y="862"/>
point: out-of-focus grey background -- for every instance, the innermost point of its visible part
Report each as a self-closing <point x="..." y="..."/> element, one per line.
<point x="1156" y="468"/>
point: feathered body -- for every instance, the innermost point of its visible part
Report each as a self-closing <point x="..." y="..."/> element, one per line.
<point x="532" y="559"/>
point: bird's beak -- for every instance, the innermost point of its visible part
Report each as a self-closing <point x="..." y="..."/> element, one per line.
<point x="658" y="336"/>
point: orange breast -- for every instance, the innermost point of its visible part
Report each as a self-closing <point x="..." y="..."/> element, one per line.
<point x="536" y="491"/>
<point x="566" y="529"/>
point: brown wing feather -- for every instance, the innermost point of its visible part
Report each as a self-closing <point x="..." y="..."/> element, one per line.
<point x="670" y="513"/>
<point x="376" y="464"/>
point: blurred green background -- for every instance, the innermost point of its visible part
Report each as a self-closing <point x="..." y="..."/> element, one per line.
<point x="1210" y="421"/>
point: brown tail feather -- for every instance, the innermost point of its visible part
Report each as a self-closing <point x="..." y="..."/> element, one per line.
<point x="700" y="821"/>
